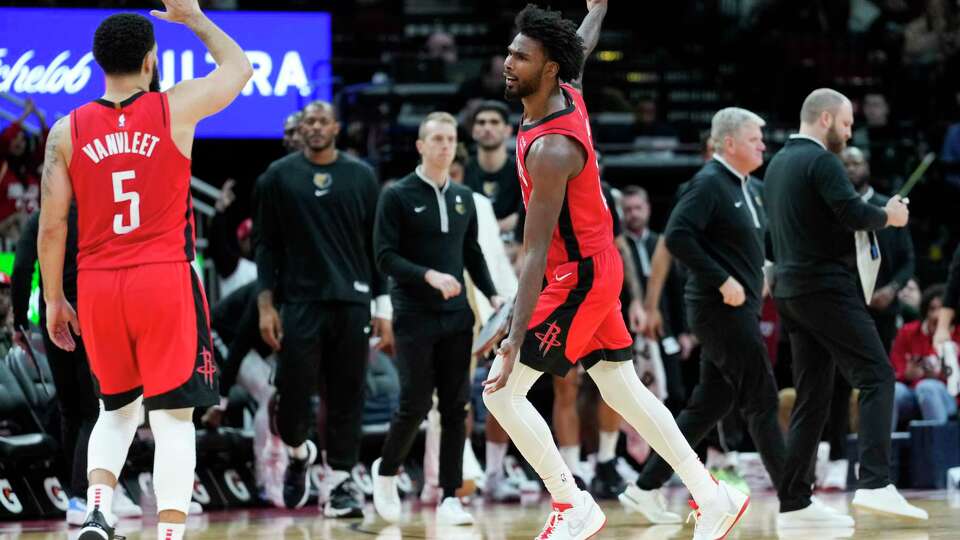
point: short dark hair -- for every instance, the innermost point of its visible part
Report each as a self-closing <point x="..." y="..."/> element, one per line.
<point x="121" y="42"/>
<point x="498" y="107"/>
<point x="637" y="191"/>
<point x="557" y="35"/>
<point x="929" y="295"/>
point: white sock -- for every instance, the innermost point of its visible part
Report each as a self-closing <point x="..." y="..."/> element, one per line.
<point x="170" y="531"/>
<point x="561" y="485"/>
<point x="607" y="449"/>
<point x="702" y="486"/>
<point x="495" y="454"/>
<point x="298" y="452"/>
<point x="100" y="495"/>
<point x="571" y="456"/>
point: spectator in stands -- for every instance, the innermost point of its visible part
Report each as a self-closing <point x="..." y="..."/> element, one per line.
<point x="675" y="342"/>
<point x="896" y="250"/>
<point x="488" y="85"/>
<point x="20" y="158"/>
<point x="648" y="120"/>
<point x="493" y="171"/>
<point x="230" y="245"/>
<point x="921" y="390"/>
<point x="910" y="301"/>
<point x="881" y="142"/>
<point x="292" y="141"/>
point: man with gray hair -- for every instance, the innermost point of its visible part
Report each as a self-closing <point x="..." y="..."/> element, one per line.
<point x="813" y="211"/>
<point x="717" y="231"/>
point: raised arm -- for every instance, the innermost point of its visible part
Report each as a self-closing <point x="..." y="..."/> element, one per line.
<point x="589" y="31"/>
<point x="195" y="99"/>
<point x="56" y="195"/>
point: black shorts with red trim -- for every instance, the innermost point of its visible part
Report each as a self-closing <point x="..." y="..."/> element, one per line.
<point x="147" y="331"/>
<point x="578" y="317"/>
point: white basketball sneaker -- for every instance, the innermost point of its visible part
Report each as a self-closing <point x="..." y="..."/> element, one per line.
<point x="578" y="521"/>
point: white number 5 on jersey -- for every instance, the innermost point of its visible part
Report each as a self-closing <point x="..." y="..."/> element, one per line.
<point x="120" y="196"/>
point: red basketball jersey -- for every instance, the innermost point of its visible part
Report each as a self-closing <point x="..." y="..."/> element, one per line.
<point x="585" y="226"/>
<point x="131" y="183"/>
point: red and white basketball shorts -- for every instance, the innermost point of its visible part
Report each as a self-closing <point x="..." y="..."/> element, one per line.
<point x="147" y="331"/>
<point x="578" y="317"/>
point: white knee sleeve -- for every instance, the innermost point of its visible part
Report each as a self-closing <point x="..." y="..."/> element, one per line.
<point x="174" y="459"/>
<point x="621" y="388"/>
<point x="111" y="437"/>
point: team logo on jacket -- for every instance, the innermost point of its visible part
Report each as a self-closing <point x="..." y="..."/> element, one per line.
<point x="459" y="207"/>
<point x="490" y="189"/>
<point x="322" y="180"/>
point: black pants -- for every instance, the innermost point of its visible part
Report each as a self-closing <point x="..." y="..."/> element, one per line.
<point x="79" y="408"/>
<point x="325" y="347"/>
<point x="886" y="327"/>
<point x="827" y="329"/>
<point x="734" y="370"/>
<point x="839" y="426"/>
<point x="676" y="392"/>
<point x="433" y="353"/>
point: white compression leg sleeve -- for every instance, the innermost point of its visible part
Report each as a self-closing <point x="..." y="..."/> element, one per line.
<point x="111" y="437"/>
<point x="529" y="431"/>
<point x="621" y="388"/>
<point x="174" y="459"/>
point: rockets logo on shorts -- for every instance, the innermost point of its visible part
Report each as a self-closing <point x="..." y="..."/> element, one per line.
<point x="548" y="339"/>
<point x="208" y="368"/>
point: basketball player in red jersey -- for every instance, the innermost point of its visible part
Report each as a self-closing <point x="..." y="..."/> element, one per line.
<point x="576" y="317"/>
<point x="126" y="159"/>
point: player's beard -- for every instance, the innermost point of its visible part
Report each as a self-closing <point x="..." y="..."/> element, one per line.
<point x="521" y="90"/>
<point x="835" y="143"/>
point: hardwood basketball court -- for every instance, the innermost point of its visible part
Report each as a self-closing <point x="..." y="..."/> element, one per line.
<point x="519" y="521"/>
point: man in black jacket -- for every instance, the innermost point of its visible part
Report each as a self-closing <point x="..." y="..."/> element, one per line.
<point x="426" y="234"/>
<point x="813" y="211"/>
<point x="716" y="230"/>
<point x="315" y="256"/>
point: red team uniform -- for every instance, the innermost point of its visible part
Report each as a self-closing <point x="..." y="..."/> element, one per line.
<point x="143" y="314"/>
<point x="578" y="316"/>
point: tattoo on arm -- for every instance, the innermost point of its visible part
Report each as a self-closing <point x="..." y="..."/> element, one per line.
<point x="52" y="158"/>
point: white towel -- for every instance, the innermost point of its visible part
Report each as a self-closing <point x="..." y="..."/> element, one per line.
<point x="868" y="261"/>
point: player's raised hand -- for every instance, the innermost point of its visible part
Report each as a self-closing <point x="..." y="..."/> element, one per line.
<point x="61" y="318"/>
<point x="178" y="11"/>
<point x="596" y="3"/>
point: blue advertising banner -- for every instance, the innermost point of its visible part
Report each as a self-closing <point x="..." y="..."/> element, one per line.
<point x="45" y="55"/>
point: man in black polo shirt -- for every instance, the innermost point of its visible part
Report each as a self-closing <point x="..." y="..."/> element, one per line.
<point x="716" y="230"/>
<point x="493" y="171"/>
<point x="813" y="211"/>
<point x="315" y="257"/>
<point x="425" y="235"/>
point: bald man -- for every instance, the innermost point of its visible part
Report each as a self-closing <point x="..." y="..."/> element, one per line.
<point x="813" y="210"/>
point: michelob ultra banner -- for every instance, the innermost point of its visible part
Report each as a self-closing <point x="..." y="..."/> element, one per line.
<point x="45" y="54"/>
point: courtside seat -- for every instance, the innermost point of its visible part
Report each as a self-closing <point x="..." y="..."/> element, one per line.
<point x="17" y="450"/>
<point x="35" y="379"/>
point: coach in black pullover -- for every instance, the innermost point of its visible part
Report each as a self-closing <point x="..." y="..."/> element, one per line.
<point x="314" y="230"/>
<point x="716" y="230"/>
<point x="426" y="232"/>
<point x="814" y="212"/>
